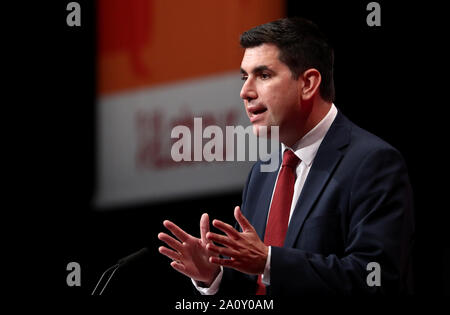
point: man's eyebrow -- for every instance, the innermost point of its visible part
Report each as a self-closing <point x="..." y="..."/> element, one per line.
<point x="257" y="69"/>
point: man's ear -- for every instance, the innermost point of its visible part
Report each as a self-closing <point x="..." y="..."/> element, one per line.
<point x="311" y="82"/>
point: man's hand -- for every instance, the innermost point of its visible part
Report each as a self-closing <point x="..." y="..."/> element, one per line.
<point x="247" y="252"/>
<point x="190" y="254"/>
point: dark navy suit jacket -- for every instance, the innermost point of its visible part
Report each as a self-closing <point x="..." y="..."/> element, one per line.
<point x="355" y="207"/>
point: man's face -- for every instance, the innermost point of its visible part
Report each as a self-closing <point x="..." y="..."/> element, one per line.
<point x="270" y="94"/>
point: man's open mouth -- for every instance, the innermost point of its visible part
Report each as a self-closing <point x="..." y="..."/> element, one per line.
<point x="255" y="110"/>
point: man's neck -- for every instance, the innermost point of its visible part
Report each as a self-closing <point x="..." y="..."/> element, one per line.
<point x="318" y="112"/>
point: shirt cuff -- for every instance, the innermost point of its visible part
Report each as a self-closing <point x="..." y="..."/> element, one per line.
<point x="265" y="279"/>
<point x="214" y="286"/>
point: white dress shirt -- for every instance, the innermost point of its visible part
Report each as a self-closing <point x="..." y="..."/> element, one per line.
<point x="305" y="149"/>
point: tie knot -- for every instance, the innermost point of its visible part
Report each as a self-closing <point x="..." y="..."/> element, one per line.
<point x="290" y="159"/>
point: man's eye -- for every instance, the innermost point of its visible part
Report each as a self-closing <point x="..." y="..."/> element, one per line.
<point x="265" y="76"/>
<point x="244" y="78"/>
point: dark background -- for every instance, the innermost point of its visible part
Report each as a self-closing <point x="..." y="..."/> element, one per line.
<point x="386" y="82"/>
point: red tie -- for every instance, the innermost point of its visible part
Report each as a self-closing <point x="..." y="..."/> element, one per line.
<point x="277" y="224"/>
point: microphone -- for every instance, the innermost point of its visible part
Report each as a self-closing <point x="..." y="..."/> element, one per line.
<point x="133" y="257"/>
<point x="112" y="270"/>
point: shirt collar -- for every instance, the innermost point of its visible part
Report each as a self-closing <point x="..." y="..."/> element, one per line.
<point x="306" y="148"/>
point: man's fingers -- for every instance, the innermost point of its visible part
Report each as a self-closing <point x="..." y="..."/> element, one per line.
<point x="169" y="253"/>
<point x="222" y="261"/>
<point x="204" y="227"/>
<point x="222" y="250"/>
<point x="227" y="229"/>
<point x="169" y="240"/>
<point x="221" y="239"/>
<point x="177" y="231"/>
<point x="178" y="267"/>
<point x="243" y="222"/>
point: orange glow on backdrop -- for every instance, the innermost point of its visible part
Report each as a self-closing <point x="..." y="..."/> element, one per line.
<point x="147" y="42"/>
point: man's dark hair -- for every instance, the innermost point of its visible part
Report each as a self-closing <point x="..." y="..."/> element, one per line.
<point x="302" y="46"/>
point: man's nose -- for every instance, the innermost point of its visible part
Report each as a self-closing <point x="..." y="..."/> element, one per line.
<point x="248" y="91"/>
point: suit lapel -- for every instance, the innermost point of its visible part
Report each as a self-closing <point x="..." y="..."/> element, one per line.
<point x="263" y="204"/>
<point x="326" y="160"/>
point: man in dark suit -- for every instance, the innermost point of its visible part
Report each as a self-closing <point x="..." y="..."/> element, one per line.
<point x="339" y="209"/>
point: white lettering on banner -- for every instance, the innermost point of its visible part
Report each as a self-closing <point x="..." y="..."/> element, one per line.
<point x="213" y="149"/>
<point x="153" y="127"/>
<point x="134" y="162"/>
